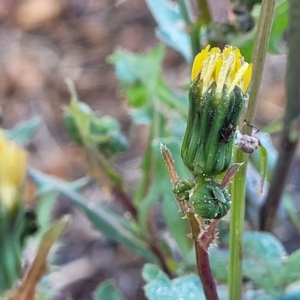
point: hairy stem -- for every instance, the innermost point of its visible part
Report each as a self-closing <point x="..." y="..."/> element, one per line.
<point x="202" y="259"/>
<point x="288" y="144"/>
<point x="202" y="256"/>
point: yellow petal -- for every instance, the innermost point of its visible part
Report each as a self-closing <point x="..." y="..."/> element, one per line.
<point x="239" y="76"/>
<point x="13" y="161"/>
<point x="207" y="74"/>
<point x="198" y="62"/>
<point x="224" y="73"/>
<point x="247" y="77"/>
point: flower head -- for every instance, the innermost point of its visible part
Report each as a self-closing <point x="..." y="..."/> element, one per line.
<point x="225" y="68"/>
<point x="216" y="101"/>
<point x="12" y="172"/>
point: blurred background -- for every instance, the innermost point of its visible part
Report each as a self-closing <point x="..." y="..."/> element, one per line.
<point x="42" y="43"/>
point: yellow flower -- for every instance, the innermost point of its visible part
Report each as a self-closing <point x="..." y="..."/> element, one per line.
<point x="12" y="172"/>
<point x="217" y="97"/>
<point x="225" y="68"/>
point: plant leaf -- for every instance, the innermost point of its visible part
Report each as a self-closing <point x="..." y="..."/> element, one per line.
<point x="187" y="287"/>
<point x="171" y="26"/>
<point x="292" y="265"/>
<point x="263" y="261"/>
<point x="219" y="261"/>
<point x="245" y="42"/>
<point x="132" y="68"/>
<point x="23" y="132"/>
<point x="263" y="165"/>
<point x="107" y="291"/>
<point x="38" y="267"/>
<point x="102" y="219"/>
<point x="160" y="287"/>
<point x="266" y="142"/>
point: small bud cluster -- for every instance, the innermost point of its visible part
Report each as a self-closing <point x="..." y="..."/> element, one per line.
<point x="102" y="132"/>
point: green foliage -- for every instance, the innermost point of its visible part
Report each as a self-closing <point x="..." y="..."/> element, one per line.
<point x="23" y="132"/>
<point x="86" y="129"/>
<point x="103" y="219"/>
<point x="155" y="184"/>
<point x="141" y="81"/>
<point x="171" y="26"/>
<point x="107" y="291"/>
<point x="163" y="108"/>
<point x="265" y="262"/>
<point x="245" y="43"/>
<point x="160" y="287"/>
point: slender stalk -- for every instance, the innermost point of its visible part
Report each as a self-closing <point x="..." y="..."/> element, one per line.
<point x="288" y="145"/>
<point x="258" y="58"/>
<point x="238" y="187"/>
<point x="202" y="260"/>
<point x="237" y="213"/>
<point x="202" y="256"/>
<point x="185" y="11"/>
<point x="154" y="244"/>
<point x="155" y="132"/>
<point x="203" y="18"/>
<point x="101" y="172"/>
<point x="204" y="11"/>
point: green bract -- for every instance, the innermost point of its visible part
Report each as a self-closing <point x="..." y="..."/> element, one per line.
<point x="211" y="200"/>
<point x="209" y="138"/>
<point x="216" y="100"/>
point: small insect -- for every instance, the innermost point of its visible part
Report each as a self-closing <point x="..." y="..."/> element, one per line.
<point x="227" y="132"/>
<point x="31" y="226"/>
<point x="248" y="144"/>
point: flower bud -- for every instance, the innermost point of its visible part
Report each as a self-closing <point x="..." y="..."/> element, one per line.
<point x="216" y="100"/>
<point x="102" y="132"/>
<point x="12" y="174"/>
<point x="210" y="200"/>
<point x="70" y="123"/>
<point x="182" y="189"/>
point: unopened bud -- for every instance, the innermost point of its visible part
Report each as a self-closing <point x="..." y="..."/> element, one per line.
<point x="216" y="100"/>
<point x="210" y="200"/>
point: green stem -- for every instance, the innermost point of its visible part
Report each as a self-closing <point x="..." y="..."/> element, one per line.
<point x="204" y="11"/>
<point x="195" y="39"/>
<point x="258" y="58"/>
<point x="238" y="187"/>
<point x="203" y="18"/>
<point x="236" y="228"/>
<point x="185" y="11"/>
<point x="291" y="119"/>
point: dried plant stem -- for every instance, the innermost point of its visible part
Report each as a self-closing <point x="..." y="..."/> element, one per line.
<point x="238" y="188"/>
<point x="288" y="145"/>
<point x="154" y="245"/>
<point x="105" y="175"/>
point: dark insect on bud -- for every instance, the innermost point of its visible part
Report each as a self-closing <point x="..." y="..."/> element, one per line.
<point x="227" y="132"/>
